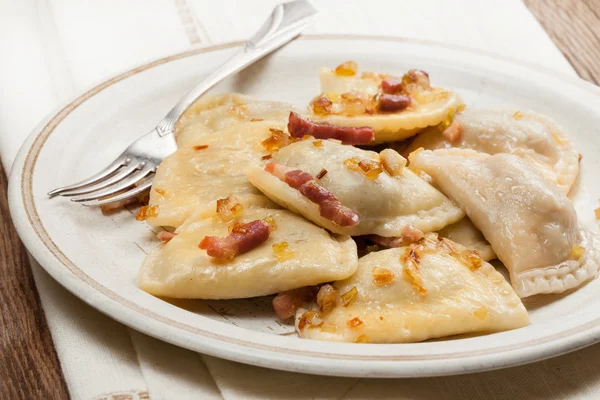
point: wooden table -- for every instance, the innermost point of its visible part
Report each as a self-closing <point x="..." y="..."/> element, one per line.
<point x="29" y="368"/>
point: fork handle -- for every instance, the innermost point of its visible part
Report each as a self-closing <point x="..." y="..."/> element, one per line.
<point x="285" y="23"/>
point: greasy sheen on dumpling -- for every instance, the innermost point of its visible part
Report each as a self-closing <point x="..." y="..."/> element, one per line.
<point x="427" y="290"/>
<point x="531" y="136"/>
<point x="215" y="146"/>
<point x="466" y="234"/>
<point x="180" y="269"/>
<point x="384" y="203"/>
<point x="353" y="103"/>
<point x="530" y="224"/>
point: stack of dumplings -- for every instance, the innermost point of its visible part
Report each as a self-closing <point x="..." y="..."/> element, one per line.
<point x="372" y="214"/>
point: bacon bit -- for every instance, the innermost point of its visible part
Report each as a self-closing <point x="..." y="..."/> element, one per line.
<point x="362" y="339"/>
<point x="329" y="206"/>
<point x="271" y="222"/>
<point x="267" y="157"/>
<point x="453" y="132"/>
<point x="327" y="298"/>
<point x="410" y="234"/>
<point x="287" y="303"/>
<point x="108" y="208"/>
<point x="322" y="173"/>
<point x="391" y="85"/>
<point x="393" y="163"/>
<point x="317" y="143"/>
<point x="481" y="313"/>
<point x="147" y="212"/>
<point x="300" y="127"/>
<point x="256" y="119"/>
<point x="166" y="236"/>
<point x="311" y="318"/>
<point x="160" y="191"/>
<point x="470" y="258"/>
<point x="577" y="252"/>
<point x="229" y="208"/>
<point x="282" y="252"/>
<point x="297" y="178"/>
<point x="349" y="68"/>
<point x="354" y="322"/>
<point x="277" y="140"/>
<point x="411" y="259"/>
<point x="321" y="105"/>
<point x="243" y="238"/>
<point x="371" y="169"/>
<point x="201" y="147"/>
<point x="382" y="276"/>
<point x="597" y="213"/>
<point x="518" y="115"/>
<point x="393" y="102"/>
<point x="350" y="296"/>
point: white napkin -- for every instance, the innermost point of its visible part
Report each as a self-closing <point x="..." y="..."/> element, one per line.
<point x="56" y="48"/>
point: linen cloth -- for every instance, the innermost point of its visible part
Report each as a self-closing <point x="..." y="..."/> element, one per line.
<point x="53" y="49"/>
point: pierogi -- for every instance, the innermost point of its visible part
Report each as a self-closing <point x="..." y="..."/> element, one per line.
<point x="533" y="137"/>
<point x="352" y="101"/>
<point x="310" y="255"/>
<point x="531" y="225"/>
<point x="384" y="203"/>
<point x="215" y="146"/>
<point x="430" y="289"/>
<point x="466" y="234"/>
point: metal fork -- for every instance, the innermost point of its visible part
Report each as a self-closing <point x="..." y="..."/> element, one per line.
<point x="133" y="171"/>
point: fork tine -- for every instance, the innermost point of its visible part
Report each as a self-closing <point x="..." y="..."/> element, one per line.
<point x="111" y="180"/>
<point x="120" y="161"/>
<point x="123" y="196"/>
<point x="119" y="186"/>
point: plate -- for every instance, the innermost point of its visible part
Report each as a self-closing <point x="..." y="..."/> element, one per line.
<point x="97" y="257"/>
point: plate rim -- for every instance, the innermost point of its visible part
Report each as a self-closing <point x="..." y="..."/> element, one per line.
<point x="22" y="204"/>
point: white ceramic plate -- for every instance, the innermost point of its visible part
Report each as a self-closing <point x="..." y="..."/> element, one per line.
<point x="97" y="257"/>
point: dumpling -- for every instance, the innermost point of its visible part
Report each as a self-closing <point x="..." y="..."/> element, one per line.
<point x="427" y="290"/>
<point x="214" y="149"/>
<point x="352" y="191"/>
<point x="395" y="111"/>
<point x="297" y="253"/>
<point x="530" y="224"/>
<point x="464" y="233"/>
<point x="222" y="111"/>
<point x="533" y="137"/>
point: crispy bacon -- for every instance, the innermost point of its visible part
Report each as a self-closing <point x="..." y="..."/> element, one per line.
<point x="243" y="238"/>
<point x="391" y="85"/>
<point x="287" y="303"/>
<point x="166" y="236"/>
<point x="453" y="132"/>
<point x="300" y="127"/>
<point x="297" y="178"/>
<point x="393" y="102"/>
<point x="329" y="206"/>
